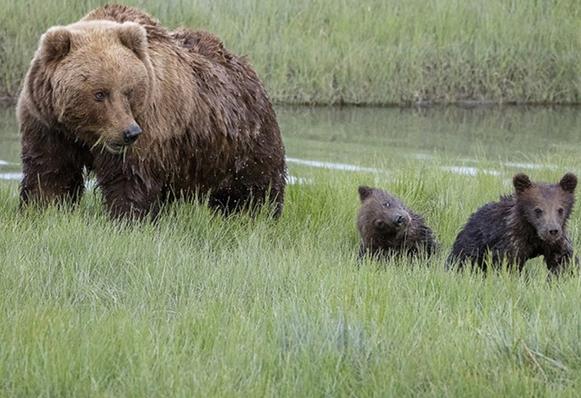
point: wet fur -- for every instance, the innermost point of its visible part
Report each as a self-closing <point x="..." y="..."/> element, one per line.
<point x="503" y="231"/>
<point x="380" y="238"/>
<point x="208" y="124"/>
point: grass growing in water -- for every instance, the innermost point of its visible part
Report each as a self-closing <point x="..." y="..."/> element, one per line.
<point x="200" y="305"/>
<point x="365" y="52"/>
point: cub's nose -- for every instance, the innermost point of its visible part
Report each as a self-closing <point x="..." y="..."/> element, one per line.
<point x="131" y="133"/>
<point x="399" y="220"/>
<point x="554" y="232"/>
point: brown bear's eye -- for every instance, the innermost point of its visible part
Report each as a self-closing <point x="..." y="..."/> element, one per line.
<point x="561" y="210"/>
<point x="100" y="96"/>
<point x="538" y="212"/>
<point x="386" y="204"/>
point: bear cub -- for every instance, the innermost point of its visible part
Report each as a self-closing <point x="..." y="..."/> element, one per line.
<point x="527" y="224"/>
<point x="387" y="227"/>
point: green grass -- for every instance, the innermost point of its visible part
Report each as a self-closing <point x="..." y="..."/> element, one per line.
<point x="362" y="52"/>
<point x="198" y="305"/>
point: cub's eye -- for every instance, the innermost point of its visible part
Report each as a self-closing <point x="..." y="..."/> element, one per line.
<point x="561" y="210"/>
<point x="379" y="223"/>
<point x="100" y="96"/>
<point x="538" y="212"/>
<point x="386" y="204"/>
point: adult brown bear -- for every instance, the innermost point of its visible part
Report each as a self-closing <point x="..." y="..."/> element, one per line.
<point x="155" y="114"/>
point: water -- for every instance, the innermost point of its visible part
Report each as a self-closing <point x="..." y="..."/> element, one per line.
<point x="9" y="145"/>
<point x="358" y="139"/>
<point x="517" y="137"/>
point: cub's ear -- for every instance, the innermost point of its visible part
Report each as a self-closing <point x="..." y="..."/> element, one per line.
<point x="55" y="44"/>
<point x="569" y="182"/>
<point x="134" y="37"/>
<point x="364" y="192"/>
<point x="521" y="182"/>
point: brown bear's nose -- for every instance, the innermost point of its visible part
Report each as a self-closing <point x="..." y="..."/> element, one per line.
<point x="131" y="133"/>
<point x="554" y="232"/>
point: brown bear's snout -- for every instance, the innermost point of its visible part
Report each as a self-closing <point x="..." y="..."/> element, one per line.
<point x="131" y="133"/>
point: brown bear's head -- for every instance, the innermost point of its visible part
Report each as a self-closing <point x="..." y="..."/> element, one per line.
<point x="546" y="207"/>
<point x="99" y="80"/>
<point x="383" y="212"/>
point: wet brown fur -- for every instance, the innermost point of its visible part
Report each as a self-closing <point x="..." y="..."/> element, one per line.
<point x="208" y="125"/>
<point x="527" y="224"/>
<point x="387" y="227"/>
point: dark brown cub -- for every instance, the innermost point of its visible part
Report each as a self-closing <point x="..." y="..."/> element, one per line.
<point x="529" y="223"/>
<point x="387" y="227"/>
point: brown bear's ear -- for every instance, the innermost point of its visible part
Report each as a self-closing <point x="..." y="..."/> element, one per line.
<point x="521" y="182"/>
<point x="55" y="44"/>
<point x="364" y="192"/>
<point x="134" y="37"/>
<point x="569" y="182"/>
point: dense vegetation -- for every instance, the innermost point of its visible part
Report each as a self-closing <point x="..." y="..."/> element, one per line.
<point x="200" y="305"/>
<point x="361" y="52"/>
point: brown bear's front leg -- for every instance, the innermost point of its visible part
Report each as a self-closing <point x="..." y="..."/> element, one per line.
<point x="52" y="166"/>
<point x="559" y="258"/>
<point x="129" y="193"/>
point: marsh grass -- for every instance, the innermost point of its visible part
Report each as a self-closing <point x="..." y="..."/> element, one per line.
<point x="198" y="305"/>
<point x="360" y="52"/>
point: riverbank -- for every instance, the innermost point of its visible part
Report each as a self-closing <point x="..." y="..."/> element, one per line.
<point x="371" y="52"/>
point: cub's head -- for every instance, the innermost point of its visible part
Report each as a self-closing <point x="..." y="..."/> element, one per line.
<point x="383" y="212"/>
<point x="546" y="207"/>
<point x="96" y="78"/>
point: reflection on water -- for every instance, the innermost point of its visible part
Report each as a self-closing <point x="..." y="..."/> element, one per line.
<point x="9" y="141"/>
<point x="356" y="139"/>
<point x="469" y="171"/>
<point x="11" y="176"/>
<point x="361" y="136"/>
<point x="331" y="165"/>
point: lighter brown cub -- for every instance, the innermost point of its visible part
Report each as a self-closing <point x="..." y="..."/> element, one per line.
<point x="387" y="227"/>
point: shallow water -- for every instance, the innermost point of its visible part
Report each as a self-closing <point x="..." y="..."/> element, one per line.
<point x="358" y="139"/>
<point x="361" y="136"/>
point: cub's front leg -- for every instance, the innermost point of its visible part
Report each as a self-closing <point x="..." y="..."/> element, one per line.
<point x="362" y="251"/>
<point x="560" y="258"/>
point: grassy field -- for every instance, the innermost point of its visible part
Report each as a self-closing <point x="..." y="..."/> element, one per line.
<point x="202" y="306"/>
<point x="361" y="52"/>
